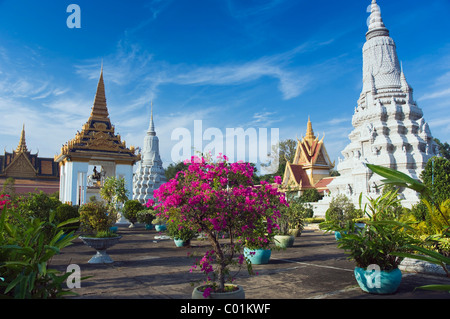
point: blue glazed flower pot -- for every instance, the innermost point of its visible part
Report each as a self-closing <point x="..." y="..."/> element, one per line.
<point x="180" y="242"/>
<point x="113" y="229"/>
<point x="148" y="226"/>
<point x="160" y="227"/>
<point x="258" y="256"/>
<point x="337" y="235"/>
<point x="378" y="282"/>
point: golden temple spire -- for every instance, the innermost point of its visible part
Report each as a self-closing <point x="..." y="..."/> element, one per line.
<point x="99" y="109"/>
<point x="22" y="147"/>
<point x="309" y="131"/>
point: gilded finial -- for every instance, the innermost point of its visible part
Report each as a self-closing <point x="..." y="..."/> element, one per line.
<point x="22" y="147"/>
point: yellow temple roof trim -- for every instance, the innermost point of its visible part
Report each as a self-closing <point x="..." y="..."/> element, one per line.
<point x="99" y="108"/>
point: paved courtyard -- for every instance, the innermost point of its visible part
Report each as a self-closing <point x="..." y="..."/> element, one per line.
<point x="147" y="268"/>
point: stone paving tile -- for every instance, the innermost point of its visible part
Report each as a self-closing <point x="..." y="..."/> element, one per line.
<point x="145" y="268"/>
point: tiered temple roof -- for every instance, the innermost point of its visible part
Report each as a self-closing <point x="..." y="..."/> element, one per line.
<point x="311" y="165"/>
<point x="29" y="171"/>
<point x="97" y="136"/>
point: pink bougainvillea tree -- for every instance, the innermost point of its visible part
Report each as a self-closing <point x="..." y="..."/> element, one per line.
<point x="217" y="198"/>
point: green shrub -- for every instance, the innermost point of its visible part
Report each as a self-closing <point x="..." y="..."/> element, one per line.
<point x="145" y="216"/>
<point x="65" y="212"/>
<point x="38" y="205"/>
<point x="95" y="218"/>
<point x="310" y="195"/>
<point x="131" y="208"/>
<point x="178" y="231"/>
<point x="24" y="257"/>
<point x="341" y="211"/>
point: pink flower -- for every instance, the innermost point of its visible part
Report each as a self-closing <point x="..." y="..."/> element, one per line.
<point x="277" y="180"/>
<point x="150" y="203"/>
<point x="207" y="292"/>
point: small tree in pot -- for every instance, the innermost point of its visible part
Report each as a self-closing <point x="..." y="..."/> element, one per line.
<point x="146" y="217"/>
<point x="131" y="209"/>
<point x="375" y="248"/>
<point x="220" y="197"/>
<point x="97" y="221"/>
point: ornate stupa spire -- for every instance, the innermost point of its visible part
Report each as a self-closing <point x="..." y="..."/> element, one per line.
<point x="151" y="127"/>
<point x="22" y="147"/>
<point x="376" y="24"/>
<point x="99" y="109"/>
<point x="149" y="171"/>
<point x="389" y="128"/>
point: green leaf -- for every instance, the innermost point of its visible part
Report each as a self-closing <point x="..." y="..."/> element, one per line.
<point x="397" y="178"/>
<point x="435" y="287"/>
<point x="69" y="221"/>
<point x="435" y="255"/>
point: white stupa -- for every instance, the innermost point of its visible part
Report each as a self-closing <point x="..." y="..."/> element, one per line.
<point x="149" y="173"/>
<point x="389" y="128"/>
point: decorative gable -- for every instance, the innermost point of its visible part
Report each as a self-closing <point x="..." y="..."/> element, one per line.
<point x="311" y="163"/>
<point x="20" y="166"/>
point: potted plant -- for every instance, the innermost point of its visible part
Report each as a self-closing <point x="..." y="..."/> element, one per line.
<point x="298" y="211"/>
<point x="340" y="213"/>
<point x="115" y="194"/>
<point x="284" y="237"/>
<point x="374" y="248"/>
<point x="130" y="211"/>
<point x="181" y="234"/>
<point x="435" y="207"/>
<point x="257" y="248"/>
<point x="219" y="197"/>
<point x="160" y="223"/>
<point x="146" y="217"/>
<point x="96" y="222"/>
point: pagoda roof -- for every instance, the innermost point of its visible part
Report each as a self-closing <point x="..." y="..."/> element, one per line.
<point x="300" y="175"/>
<point x="310" y="157"/>
<point x="97" y="137"/>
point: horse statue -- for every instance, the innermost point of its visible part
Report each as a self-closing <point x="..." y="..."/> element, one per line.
<point x="96" y="178"/>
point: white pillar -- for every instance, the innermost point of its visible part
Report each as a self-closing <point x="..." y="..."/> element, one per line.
<point x="62" y="180"/>
<point x="74" y="182"/>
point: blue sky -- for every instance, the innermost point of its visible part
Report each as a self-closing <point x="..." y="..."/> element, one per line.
<point x="229" y="63"/>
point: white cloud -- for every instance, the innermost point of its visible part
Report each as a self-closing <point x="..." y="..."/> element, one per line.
<point x="435" y="95"/>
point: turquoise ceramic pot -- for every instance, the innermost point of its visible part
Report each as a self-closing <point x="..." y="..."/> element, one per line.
<point x="378" y="282"/>
<point x="113" y="229"/>
<point x="337" y="235"/>
<point x="148" y="226"/>
<point x="160" y="227"/>
<point x="258" y="256"/>
<point x="180" y="242"/>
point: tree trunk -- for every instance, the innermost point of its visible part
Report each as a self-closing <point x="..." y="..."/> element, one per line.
<point x="220" y="260"/>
